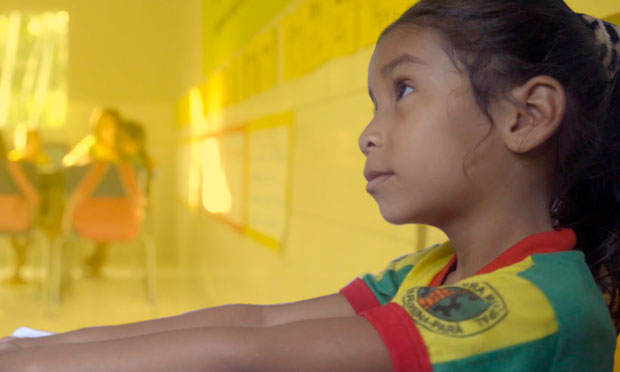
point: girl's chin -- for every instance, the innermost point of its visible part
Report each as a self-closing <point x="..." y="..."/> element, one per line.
<point x="395" y="218"/>
<point x="397" y="214"/>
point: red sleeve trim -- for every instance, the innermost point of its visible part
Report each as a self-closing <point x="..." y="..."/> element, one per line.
<point x="401" y="337"/>
<point x="359" y="296"/>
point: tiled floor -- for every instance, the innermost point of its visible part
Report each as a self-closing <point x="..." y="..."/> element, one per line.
<point x="117" y="298"/>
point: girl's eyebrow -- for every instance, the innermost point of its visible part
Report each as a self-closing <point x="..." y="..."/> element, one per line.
<point x="403" y="58"/>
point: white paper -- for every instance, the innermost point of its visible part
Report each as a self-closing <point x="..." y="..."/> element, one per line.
<point x="25" y="332"/>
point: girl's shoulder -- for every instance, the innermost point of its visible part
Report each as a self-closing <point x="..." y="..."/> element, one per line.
<point x="434" y="252"/>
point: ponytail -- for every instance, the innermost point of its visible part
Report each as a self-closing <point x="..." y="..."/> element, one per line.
<point x="589" y="202"/>
<point x="588" y="197"/>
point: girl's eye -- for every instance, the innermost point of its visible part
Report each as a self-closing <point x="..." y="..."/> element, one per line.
<point x="403" y="90"/>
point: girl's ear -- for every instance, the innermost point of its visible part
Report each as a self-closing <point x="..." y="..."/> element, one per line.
<point x="532" y="113"/>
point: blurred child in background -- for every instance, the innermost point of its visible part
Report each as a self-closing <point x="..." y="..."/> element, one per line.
<point x="18" y="248"/>
<point x="27" y="150"/>
<point x="131" y="148"/>
<point x="27" y="146"/>
<point x="20" y="197"/>
<point x="101" y="144"/>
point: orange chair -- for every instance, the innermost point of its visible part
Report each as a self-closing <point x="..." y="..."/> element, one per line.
<point x="18" y="197"/>
<point x="104" y="205"/>
<point x="19" y="201"/>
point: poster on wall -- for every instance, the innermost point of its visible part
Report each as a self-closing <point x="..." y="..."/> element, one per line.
<point x="268" y="181"/>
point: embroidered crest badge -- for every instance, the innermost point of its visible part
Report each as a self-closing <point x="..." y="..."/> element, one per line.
<point x="459" y="311"/>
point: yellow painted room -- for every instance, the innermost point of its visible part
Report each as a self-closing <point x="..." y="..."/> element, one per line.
<point x="247" y="114"/>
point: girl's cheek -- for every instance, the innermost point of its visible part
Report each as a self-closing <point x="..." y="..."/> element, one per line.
<point x="404" y="106"/>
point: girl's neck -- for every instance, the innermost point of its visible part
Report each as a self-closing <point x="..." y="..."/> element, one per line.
<point x="480" y="239"/>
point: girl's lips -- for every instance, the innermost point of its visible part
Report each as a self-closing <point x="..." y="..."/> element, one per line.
<point x="376" y="181"/>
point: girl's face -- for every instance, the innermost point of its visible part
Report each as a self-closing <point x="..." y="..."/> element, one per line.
<point x="106" y="130"/>
<point x="33" y="145"/>
<point x="128" y="146"/>
<point x="427" y="132"/>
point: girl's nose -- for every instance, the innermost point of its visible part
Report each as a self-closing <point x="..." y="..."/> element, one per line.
<point x="369" y="138"/>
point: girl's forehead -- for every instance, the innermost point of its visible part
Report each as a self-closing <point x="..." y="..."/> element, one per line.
<point x="407" y="39"/>
<point x="408" y="43"/>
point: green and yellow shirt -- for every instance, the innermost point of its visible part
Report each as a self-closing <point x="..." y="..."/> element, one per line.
<point x="535" y="307"/>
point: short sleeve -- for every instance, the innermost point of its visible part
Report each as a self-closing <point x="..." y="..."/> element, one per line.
<point x="472" y="326"/>
<point x="371" y="290"/>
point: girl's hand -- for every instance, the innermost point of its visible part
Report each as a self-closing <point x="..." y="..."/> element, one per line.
<point x="15" y="361"/>
<point x="8" y="344"/>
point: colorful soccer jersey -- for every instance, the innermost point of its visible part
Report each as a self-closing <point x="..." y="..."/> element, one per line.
<point x="536" y="308"/>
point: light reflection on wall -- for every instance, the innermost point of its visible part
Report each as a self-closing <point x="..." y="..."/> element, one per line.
<point x="207" y="178"/>
<point x="196" y="107"/>
<point x="215" y="190"/>
<point x="194" y="175"/>
<point x="196" y="114"/>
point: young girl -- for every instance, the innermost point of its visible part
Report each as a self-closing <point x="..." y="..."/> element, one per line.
<point x="101" y="144"/>
<point x="131" y="146"/>
<point x="19" y="201"/>
<point x="27" y="146"/>
<point x="496" y="121"/>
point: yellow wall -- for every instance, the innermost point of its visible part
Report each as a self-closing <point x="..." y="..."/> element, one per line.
<point x="330" y="229"/>
<point x="304" y="71"/>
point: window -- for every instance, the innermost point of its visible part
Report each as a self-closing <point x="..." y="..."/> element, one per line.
<point x="33" y="74"/>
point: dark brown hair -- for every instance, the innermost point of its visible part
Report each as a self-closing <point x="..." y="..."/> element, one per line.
<point x="503" y="44"/>
<point x="98" y="112"/>
<point x="133" y="130"/>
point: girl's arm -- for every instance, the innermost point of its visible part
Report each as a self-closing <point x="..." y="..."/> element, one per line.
<point x="332" y="344"/>
<point x="223" y="316"/>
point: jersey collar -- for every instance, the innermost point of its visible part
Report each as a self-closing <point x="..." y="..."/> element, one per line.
<point x="558" y="240"/>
